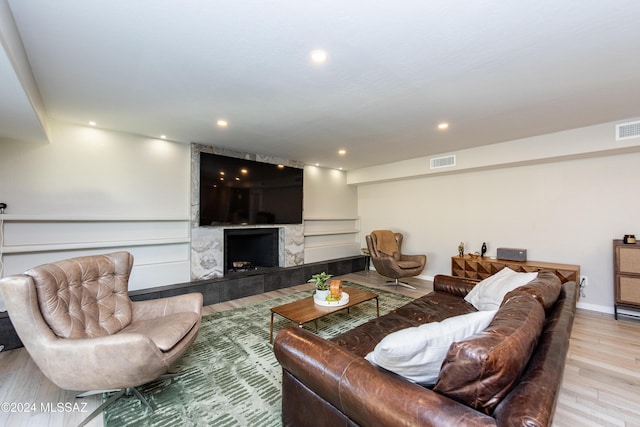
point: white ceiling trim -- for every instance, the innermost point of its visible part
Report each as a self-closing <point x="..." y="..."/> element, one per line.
<point x="23" y="116"/>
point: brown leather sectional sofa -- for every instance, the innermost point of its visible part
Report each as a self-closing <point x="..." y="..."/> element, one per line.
<point x="509" y="374"/>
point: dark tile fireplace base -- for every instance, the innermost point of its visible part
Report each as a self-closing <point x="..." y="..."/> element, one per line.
<point x="232" y="286"/>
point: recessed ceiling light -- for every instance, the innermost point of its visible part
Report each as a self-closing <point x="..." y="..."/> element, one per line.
<point x="342" y="152"/>
<point x="163" y="136"/>
<point x="317" y="164"/>
<point x="319" y="56"/>
<point x="280" y="166"/>
<point x="443" y="125"/>
<point x="222" y="123"/>
<point x="92" y="123"/>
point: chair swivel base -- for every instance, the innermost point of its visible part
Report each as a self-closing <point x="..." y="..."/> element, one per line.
<point x="396" y="282"/>
<point x="118" y="393"/>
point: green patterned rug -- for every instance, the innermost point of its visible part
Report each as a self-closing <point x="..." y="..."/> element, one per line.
<point x="230" y="376"/>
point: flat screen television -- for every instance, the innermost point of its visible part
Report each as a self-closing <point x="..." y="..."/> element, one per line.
<point x="236" y="191"/>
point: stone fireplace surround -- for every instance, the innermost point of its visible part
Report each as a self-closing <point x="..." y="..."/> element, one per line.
<point x="207" y="243"/>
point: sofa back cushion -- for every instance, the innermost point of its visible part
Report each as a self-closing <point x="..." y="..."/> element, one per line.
<point x="85" y="297"/>
<point x="545" y="288"/>
<point x="481" y="370"/>
<point x="489" y="293"/>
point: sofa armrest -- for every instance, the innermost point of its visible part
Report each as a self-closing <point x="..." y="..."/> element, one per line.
<point x="363" y="392"/>
<point x="459" y="286"/>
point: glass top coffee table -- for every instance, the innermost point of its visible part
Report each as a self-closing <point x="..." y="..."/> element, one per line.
<point x="305" y="310"/>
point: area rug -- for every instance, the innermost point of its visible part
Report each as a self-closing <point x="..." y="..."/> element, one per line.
<point x="230" y="376"/>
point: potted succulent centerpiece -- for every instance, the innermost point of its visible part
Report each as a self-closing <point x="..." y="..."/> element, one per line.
<point x="322" y="287"/>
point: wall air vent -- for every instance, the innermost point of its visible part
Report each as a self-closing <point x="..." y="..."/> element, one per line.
<point x="627" y="130"/>
<point x="442" y="162"/>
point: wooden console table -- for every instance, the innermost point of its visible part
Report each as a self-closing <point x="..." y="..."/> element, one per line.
<point x="481" y="268"/>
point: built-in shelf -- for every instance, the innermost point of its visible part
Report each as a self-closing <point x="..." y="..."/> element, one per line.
<point x="66" y="218"/>
<point x="84" y="232"/>
<point x="331" y="232"/>
<point x="326" y="237"/>
<point x="327" y="218"/>
<point x="159" y="241"/>
<point x="331" y="226"/>
<point x="89" y="245"/>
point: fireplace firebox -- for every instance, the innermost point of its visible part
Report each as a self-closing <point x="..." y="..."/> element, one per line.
<point x="247" y="249"/>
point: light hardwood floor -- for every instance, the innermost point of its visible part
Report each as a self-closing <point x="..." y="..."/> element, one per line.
<point x="601" y="380"/>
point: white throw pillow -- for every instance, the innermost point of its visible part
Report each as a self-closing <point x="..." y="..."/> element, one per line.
<point x="488" y="294"/>
<point x="417" y="353"/>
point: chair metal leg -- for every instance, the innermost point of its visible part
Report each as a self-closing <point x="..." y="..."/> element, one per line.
<point x="397" y="282"/>
<point x="118" y="393"/>
<point x="100" y="408"/>
<point x="140" y="397"/>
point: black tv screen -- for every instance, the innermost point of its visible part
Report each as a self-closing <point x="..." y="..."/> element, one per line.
<point x="242" y="192"/>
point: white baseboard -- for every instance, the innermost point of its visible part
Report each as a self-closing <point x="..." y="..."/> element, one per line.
<point x="595" y="307"/>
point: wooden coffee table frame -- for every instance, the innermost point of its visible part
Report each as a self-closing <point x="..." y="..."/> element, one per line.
<point x="305" y="310"/>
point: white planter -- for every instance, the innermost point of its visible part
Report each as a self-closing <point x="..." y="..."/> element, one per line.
<point x="322" y="295"/>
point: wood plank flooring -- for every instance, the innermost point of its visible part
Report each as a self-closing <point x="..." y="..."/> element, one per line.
<point x="601" y="380"/>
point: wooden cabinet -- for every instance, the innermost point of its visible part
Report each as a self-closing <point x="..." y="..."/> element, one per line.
<point x="481" y="268"/>
<point x="626" y="275"/>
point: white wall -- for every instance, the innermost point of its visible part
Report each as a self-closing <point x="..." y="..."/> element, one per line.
<point x="565" y="211"/>
<point x="331" y="222"/>
<point x="88" y="171"/>
<point x="91" y="191"/>
<point x="327" y="195"/>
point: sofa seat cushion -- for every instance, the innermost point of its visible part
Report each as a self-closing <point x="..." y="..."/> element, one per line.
<point x="417" y="353"/>
<point x="433" y="307"/>
<point x="489" y="293"/>
<point x="166" y="331"/>
<point x="481" y="370"/>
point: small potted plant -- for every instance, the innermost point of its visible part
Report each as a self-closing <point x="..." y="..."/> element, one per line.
<point x="322" y="287"/>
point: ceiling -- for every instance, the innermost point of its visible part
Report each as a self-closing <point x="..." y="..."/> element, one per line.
<point x="494" y="70"/>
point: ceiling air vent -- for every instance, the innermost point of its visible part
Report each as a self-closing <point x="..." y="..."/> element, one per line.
<point x="442" y="162"/>
<point x="627" y="130"/>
